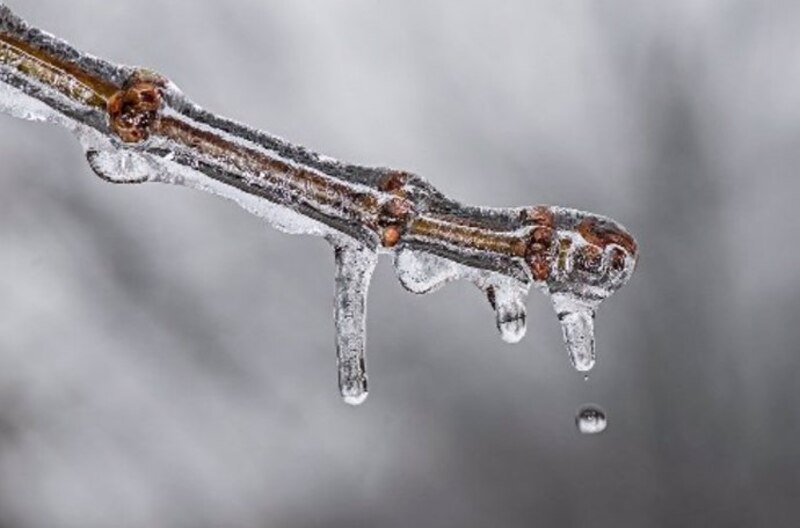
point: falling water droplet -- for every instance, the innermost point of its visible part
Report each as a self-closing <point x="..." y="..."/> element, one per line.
<point x="591" y="420"/>
<point x="577" y="325"/>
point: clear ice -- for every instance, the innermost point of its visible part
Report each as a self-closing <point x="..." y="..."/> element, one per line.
<point x="115" y="165"/>
<point x="577" y="327"/>
<point x="591" y="419"/>
<point x="577" y="279"/>
<point x="509" y="305"/>
<point x="17" y="104"/>
<point x="421" y="272"/>
<point x="354" y="267"/>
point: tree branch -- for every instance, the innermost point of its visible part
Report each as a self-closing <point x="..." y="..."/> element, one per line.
<point x="136" y="126"/>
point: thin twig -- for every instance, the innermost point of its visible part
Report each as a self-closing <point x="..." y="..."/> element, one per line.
<point x="137" y="126"/>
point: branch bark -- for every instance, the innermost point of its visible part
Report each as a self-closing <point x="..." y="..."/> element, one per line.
<point x="136" y="126"/>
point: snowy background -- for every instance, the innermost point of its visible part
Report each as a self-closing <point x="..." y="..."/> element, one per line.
<point x="166" y="360"/>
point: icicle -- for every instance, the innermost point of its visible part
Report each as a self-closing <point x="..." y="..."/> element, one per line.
<point x="136" y="126"/>
<point x="423" y="272"/>
<point x="578" y="330"/>
<point x="507" y="297"/>
<point x="354" y="267"/>
<point x="511" y="321"/>
<point x="591" y="420"/>
<point x="577" y="324"/>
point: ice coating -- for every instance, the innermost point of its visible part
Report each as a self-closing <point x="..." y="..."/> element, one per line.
<point x="136" y="126"/>
<point x="15" y="103"/>
<point x="112" y="164"/>
<point x="421" y="272"/>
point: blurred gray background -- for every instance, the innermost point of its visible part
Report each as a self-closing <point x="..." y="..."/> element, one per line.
<point x="167" y="360"/>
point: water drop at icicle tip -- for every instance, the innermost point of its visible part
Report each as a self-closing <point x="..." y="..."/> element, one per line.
<point x="355" y="399"/>
<point x="510" y="319"/>
<point x="591" y="420"/>
<point x="507" y="297"/>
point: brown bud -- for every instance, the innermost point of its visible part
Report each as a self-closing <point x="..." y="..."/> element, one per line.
<point x="540" y="268"/>
<point x="617" y="259"/>
<point x="589" y="258"/>
<point x="542" y="235"/>
<point x="397" y="208"/>
<point x="602" y="233"/>
<point x="393" y="181"/>
<point x="133" y="111"/>
<point x="390" y="236"/>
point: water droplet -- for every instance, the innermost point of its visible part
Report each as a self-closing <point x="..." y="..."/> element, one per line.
<point x="508" y="299"/>
<point x="356" y="399"/>
<point x="511" y="324"/>
<point x="591" y="420"/>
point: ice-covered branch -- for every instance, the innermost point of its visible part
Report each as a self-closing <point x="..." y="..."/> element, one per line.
<point x="136" y="126"/>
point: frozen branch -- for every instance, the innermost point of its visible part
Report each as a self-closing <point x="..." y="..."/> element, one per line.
<point x="136" y="126"/>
